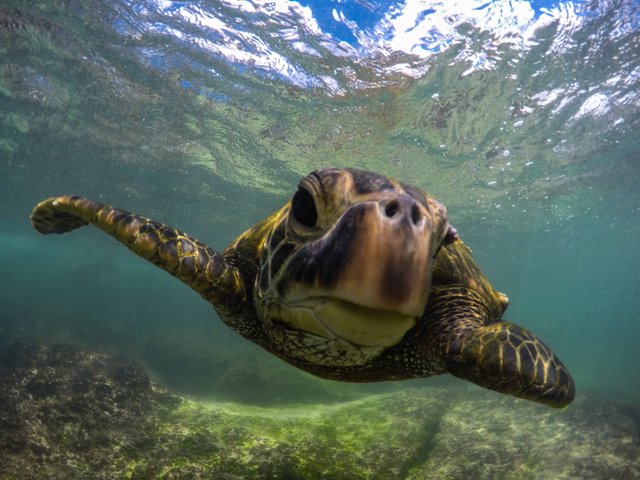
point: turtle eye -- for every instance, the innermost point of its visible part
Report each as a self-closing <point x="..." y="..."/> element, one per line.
<point x="303" y="208"/>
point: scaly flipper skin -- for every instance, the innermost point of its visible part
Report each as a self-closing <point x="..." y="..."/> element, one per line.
<point x="510" y="359"/>
<point x="500" y="356"/>
<point x="187" y="259"/>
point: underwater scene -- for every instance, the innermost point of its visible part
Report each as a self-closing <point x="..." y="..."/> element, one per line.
<point x="353" y="334"/>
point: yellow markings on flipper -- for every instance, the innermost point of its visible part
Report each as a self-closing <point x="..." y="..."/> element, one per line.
<point x="545" y="366"/>
<point x="518" y="361"/>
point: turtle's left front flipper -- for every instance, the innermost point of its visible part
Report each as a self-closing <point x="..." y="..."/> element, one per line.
<point x="186" y="258"/>
<point x="509" y="359"/>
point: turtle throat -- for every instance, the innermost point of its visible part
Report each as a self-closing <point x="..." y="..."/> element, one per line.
<point x="339" y="319"/>
<point x="331" y="331"/>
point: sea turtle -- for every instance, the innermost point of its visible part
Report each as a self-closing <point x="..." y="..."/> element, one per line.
<point x="358" y="278"/>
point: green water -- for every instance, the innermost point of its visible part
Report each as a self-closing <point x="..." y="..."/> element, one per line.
<point x="545" y="193"/>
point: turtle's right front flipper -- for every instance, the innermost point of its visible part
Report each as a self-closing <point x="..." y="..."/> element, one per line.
<point x="186" y="258"/>
<point x="510" y="359"/>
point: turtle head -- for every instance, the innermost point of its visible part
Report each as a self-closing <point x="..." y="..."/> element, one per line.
<point x="346" y="271"/>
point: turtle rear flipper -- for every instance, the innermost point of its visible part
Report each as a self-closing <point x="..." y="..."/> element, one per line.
<point x="186" y="258"/>
<point x="509" y="359"/>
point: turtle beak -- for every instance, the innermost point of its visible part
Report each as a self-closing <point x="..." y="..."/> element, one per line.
<point x="390" y="263"/>
<point x="379" y="255"/>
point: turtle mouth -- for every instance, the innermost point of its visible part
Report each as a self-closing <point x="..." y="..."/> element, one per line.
<point x="359" y="325"/>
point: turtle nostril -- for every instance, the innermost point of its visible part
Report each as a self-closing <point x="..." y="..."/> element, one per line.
<point x="416" y="216"/>
<point x="391" y="208"/>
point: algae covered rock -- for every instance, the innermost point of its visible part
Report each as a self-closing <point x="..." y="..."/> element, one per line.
<point x="375" y="437"/>
<point x="67" y="412"/>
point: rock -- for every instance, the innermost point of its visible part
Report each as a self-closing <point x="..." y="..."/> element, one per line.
<point x="67" y="412"/>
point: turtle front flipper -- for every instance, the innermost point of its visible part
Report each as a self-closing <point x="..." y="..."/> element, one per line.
<point x="196" y="264"/>
<point x="509" y="359"/>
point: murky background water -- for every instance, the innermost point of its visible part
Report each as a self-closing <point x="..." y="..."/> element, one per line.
<point x="522" y="117"/>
